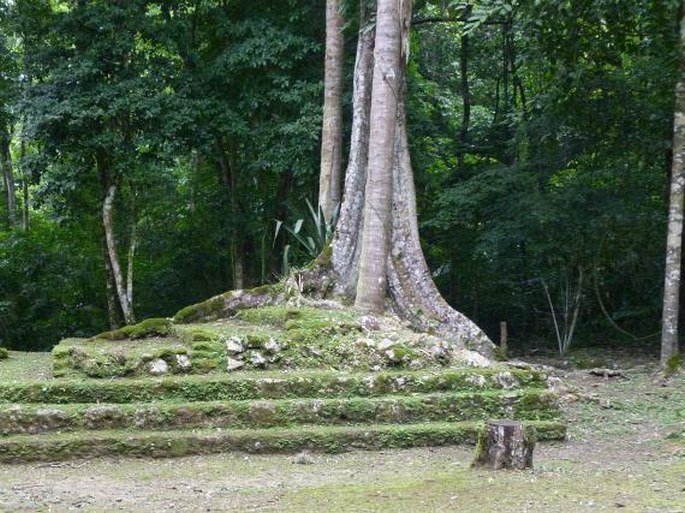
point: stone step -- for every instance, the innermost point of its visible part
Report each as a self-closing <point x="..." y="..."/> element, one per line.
<point x="268" y="385"/>
<point x="531" y="404"/>
<point x="157" y="444"/>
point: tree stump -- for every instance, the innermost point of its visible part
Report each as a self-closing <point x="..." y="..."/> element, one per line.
<point x="505" y="444"/>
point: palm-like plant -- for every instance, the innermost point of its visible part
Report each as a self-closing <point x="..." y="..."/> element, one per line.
<point x="309" y="235"/>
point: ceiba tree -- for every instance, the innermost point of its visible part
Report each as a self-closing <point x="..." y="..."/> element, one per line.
<point x="376" y="257"/>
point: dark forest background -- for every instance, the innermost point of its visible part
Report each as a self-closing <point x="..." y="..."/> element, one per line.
<point x="540" y="134"/>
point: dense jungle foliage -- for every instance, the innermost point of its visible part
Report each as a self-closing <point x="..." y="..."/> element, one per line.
<point x="540" y="134"/>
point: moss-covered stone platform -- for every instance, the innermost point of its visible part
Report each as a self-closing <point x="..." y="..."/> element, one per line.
<point x="264" y="379"/>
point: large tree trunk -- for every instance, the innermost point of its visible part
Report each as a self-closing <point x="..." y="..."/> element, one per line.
<point x="331" y="135"/>
<point x="669" y="323"/>
<point x="8" y="177"/>
<point x="413" y="292"/>
<point x="376" y="233"/>
<point x="385" y="200"/>
<point x="347" y="241"/>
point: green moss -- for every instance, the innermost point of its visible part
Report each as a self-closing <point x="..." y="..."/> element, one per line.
<point x="4" y="353"/>
<point x="537" y="405"/>
<point x="192" y="334"/>
<point x="256" y="340"/>
<point x="266" y="289"/>
<point x="216" y="307"/>
<point x="24" y="448"/>
<point x="402" y="354"/>
<point x="479" y="452"/>
<point x="257" y="384"/>
<point x="211" y="308"/>
<point x="154" y="327"/>
<point x="673" y="364"/>
<point x="97" y="358"/>
<point x="275" y="316"/>
<point x="324" y="258"/>
<point x="208" y="346"/>
<point x="500" y="354"/>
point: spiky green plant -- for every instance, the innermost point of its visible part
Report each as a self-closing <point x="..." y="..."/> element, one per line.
<point x="308" y="235"/>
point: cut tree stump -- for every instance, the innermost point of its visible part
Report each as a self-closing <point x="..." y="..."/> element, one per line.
<point x="505" y="444"/>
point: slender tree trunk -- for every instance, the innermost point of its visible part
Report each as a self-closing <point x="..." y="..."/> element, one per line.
<point x="347" y="241"/>
<point x="108" y="226"/>
<point x="237" y="240"/>
<point x="275" y="261"/>
<point x="669" y="323"/>
<point x="229" y="181"/>
<point x="194" y="169"/>
<point x="8" y="177"/>
<point x="466" y="98"/>
<point x="24" y="186"/>
<point x="238" y="269"/>
<point x="113" y="309"/>
<point x="372" y="284"/>
<point x="132" y="245"/>
<point x="331" y="135"/>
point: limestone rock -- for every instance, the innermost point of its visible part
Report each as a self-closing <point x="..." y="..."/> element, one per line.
<point x="477" y="380"/>
<point x="272" y="346"/>
<point x="233" y="364"/>
<point x="234" y="346"/>
<point x="385" y="344"/>
<point x="257" y="359"/>
<point x="439" y="352"/>
<point x="304" y="458"/>
<point x="506" y="380"/>
<point x="390" y="355"/>
<point x="369" y="323"/>
<point x="158" y="367"/>
<point x="183" y="361"/>
<point x="473" y="359"/>
<point x="368" y="342"/>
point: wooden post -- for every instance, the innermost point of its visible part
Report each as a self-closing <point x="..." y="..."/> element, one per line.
<point x="505" y="444"/>
<point x="503" y="338"/>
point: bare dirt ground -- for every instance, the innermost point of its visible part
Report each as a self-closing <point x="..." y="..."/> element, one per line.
<point x="625" y="452"/>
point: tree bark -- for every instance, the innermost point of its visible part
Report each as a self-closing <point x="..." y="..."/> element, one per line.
<point x="414" y="294"/>
<point x="399" y="269"/>
<point x="8" y="177"/>
<point x="347" y="240"/>
<point x="372" y="284"/>
<point x="108" y="226"/>
<point x="113" y="309"/>
<point x="24" y="186"/>
<point x="466" y="98"/>
<point x="132" y="245"/>
<point x="228" y="167"/>
<point x="331" y="134"/>
<point x="505" y="444"/>
<point x="669" y="323"/>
